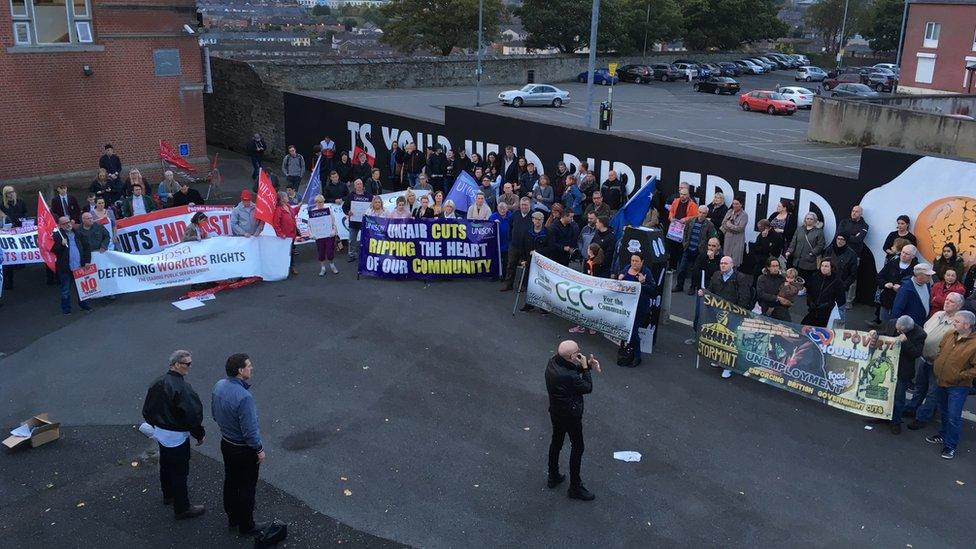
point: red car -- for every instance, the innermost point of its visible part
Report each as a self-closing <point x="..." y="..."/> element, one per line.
<point x="765" y="100"/>
<point x="846" y="78"/>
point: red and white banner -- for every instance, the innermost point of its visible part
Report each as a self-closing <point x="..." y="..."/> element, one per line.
<point x="45" y="232"/>
<point x="19" y="246"/>
<point x="112" y="273"/>
<point x="151" y="232"/>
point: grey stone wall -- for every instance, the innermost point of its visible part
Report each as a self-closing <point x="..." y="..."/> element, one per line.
<point x="862" y="123"/>
<point x="247" y="95"/>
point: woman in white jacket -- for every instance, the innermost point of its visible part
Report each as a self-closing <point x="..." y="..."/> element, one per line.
<point x="325" y="237"/>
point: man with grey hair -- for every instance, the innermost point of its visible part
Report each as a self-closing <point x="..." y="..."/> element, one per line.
<point x="174" y="411"/>
<point x="518" y="229"/>
<point x="922" y="404"/>
<point x="955" y="370"/>
<point x="912" y="339"/>
<point x="913" y="297"/>
<point x="890" y="279"/>
<point x="167" y="188"/>
<point x="567" y="380"/>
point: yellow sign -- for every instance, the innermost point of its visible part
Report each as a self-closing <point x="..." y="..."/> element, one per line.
<point x="612" y="69"/>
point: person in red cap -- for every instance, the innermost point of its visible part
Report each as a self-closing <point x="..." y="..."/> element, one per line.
<point x="242" y="221"/>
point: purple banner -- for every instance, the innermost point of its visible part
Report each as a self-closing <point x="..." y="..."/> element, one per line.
<point x="428" y="249"/>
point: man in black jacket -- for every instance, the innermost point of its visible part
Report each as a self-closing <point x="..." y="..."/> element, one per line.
<point x="889" y="280"/>
<point x="255" y="150"/>
<point x="436" y="168"/>
<point x="519" y="227"/>
<point x="72" y="252"/>
<point x="912" y="338"/>
<point x="732" y="286"/>
<point x="565" y="236"/>
<point x="174" y="410"/>
<point x="567" y="380"/>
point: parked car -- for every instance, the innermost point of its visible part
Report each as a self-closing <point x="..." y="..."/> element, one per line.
<point x="730" y="69"/>
<point x="772" y="60"/>
<point x="766" y="100"/>
<point x="846" y="78"/>
<point x="718" y="85"/>
<point x="882" y="80"/>
<point x="810" y="74"/>
<point x="853" y="90"/>
<point x="688" y="72"/>
<point x="766" y="65"/>
<point x="535" y="94"/>
<point x="748" y="67"/>
<point x="666" y="72"/>
<point x="890" y="66"/>
<point x="801" y="97"/>
<point x="637" y="74"/>
<point x="804" y="60"/>
<point x="600" y="76"/>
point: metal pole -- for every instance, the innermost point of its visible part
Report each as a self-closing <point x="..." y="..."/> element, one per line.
<point x="591" y="66"/>
<point x="843" y="29"/>
<point x="481" y="10"/>
<point x="901" y="35"/>
<point x="647" y="22"/>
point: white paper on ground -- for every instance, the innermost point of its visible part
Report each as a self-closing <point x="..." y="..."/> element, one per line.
<point x="186" y="304"/>
<point x="627" y="456"/>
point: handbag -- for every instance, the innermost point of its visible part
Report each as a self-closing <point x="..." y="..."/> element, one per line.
<point x="272" y="534"/>
<point x="676" y="230"/>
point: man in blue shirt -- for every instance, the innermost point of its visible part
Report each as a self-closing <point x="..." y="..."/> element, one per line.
<point x="234" y="411"/>
<point x="72" y="252"/>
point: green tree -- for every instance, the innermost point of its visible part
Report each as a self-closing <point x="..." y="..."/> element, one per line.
<point x="827" y="17"/>
<point x="882" y="25"/>
<point x="438" y="25"/>
<point x="320" y="10"/>
<point x="648" y="21"/>
<point x="727" y="24"/>
<point x="349" y="23"/>
<point x="564" y="25"/>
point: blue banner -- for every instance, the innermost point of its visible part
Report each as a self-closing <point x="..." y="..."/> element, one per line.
<point x="428" y="249"/>
<point x="463" y="191"/>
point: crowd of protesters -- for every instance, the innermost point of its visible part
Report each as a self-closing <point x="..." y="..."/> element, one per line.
<point x="566" y="217"/>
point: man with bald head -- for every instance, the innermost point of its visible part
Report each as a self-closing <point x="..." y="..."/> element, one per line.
<point x="732" y="286"/>
<point x="890" y="278"/>
<point x="567" y="380"/>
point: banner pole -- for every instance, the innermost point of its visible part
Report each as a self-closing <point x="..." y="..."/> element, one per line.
<point x="519" y="289"/>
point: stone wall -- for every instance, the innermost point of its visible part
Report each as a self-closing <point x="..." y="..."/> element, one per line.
<point x="862" y="123"/>
<point x="247" y="96"/>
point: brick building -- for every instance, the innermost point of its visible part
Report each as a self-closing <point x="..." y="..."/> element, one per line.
<point x="940" y="42"/>
<point x="78" y="74"/>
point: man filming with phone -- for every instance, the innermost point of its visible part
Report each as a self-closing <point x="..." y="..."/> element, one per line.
<point x="567" y="380"/>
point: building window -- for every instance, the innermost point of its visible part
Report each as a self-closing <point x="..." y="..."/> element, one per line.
<point x="167" y="62"/>
<point x="51" y="22"/>
<point x="925" y="68"/>
<point x="932" y="35"/>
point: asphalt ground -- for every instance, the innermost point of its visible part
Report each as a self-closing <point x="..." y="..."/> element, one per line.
<point x="427" y="403"/>
<point x="668" y="111"/>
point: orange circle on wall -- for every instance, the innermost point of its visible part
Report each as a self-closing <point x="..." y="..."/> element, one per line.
<point x="948" y="219"/>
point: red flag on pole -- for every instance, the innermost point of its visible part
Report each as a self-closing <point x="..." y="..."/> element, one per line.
<point x="46" y="224"/>
<point x="371" y="160"/>
<point x="267" y="199"/>
<point x="168" y="154"/>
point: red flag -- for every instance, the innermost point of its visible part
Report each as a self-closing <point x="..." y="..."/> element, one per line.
<point x="46" y="225"/>
<point x="371" y="160"/>
<point x="169" y="155"/>
<point x="267" y="199"/>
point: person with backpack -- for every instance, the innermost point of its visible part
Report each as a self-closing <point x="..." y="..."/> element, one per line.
<point x="732" y="286"/>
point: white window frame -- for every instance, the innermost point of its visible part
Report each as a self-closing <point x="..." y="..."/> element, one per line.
<point x="932" y="31"/>
<point x="966" y="72"/>
<point x="80" y="30"/>
<point x="919" y="57"/>
<point x="974" y="41"/>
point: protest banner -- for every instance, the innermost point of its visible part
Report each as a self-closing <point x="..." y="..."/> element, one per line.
<point x="305" y="232"/>
<point x="841" y="368"/>
<point x="463" y="191"/>
<point x="19" y="246"/>
<point x="151" y="232"/>
<point x="602" y="304"/>
<point x="112" y="273"/>
<point x="429" y="249"/>
<point x="389" y="199"/>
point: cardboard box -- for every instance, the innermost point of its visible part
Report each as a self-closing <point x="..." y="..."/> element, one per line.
<point x="43" y="430"/>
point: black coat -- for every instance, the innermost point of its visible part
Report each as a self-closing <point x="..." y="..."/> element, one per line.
<point x="413" y="162"/>
<point x="111" y="163"/>
<point x="705" y="265"/>
<point x="511" y="174"/>
<point x="344" y="169"/>
<point x="767" y="289"/>
<point x="606" y="241"/>
<point x="62" y="252"/>
<point x="172" y="404"/>
<point x="566" y="384"/>
<point x="614" y="193"/>
<point x="256" y="148"/>
<point x="823" y="292"/>
<point x="717" y="215"/>
<point x="192" y="195"/>
<point x="845" y="260"/>
<point x="437" y="165"/>
<point x="911" y="348"/>
<point x="737" y="290"/>
<point x="542" y="242"/>
<point x="518" y="228"/>
<point x="362" y="171"/>
<point x="15" y="212"/>
<point x="892" y="272"/>
<point x="73" y="210"/>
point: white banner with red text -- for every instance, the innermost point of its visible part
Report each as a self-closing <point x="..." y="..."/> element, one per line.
<point x="19" y="246"/>
<point x="219" y="258"/>
<point x="151" y="232"/>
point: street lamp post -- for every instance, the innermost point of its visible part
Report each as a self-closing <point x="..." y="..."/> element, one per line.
<point x="647" y="22"/>
<point x="901" y="35"/>
<point x="591" y="66"/>
<point x="481" y="9"/>
<point x="843" y="29"/>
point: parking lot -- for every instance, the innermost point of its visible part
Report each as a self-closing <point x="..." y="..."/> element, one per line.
<point x="670" y="111"/>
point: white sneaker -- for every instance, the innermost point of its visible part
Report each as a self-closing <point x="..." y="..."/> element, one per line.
<point x="334" y="269"/>
<point x="322" y="270"/>
<point x="726" y="374"/>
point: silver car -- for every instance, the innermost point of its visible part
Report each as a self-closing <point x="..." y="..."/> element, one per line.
<point x="535" y="94"/>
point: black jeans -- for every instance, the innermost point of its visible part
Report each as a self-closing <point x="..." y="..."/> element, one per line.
<point x="174" y="466"/>
<point x="561" y="426"/>
<point x="240" y="479"/>
<point x="514" y="257"/>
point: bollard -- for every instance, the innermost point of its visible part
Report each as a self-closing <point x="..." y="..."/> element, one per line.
<point x="665" y="317"/>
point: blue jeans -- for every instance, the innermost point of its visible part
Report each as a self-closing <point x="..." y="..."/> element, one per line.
<point x="899" y="404"/>
<point x="412" y="178"/>
<point x="256" y="164"/>
<point x="65" y="283"/>
<point x="951" y="400"/>
<point x="687" y="260"/>
<point x="923" y="401"/>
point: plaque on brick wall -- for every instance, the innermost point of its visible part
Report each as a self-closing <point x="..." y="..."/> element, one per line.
<point x="167" y="62"/>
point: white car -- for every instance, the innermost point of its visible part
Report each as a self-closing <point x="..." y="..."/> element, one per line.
<point x="801" y="97"/>
<point x="690" y="72"/>
<point x="890" y="66"/>
<point x="535" y="94"/>
<point x="810" y="74"/>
